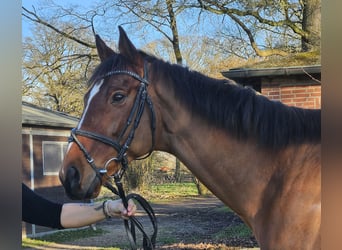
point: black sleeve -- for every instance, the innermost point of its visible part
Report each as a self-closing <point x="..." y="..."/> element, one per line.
<point x="40" y="211"/>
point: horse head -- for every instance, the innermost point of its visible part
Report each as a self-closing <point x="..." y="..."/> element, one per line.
<point x="114" y="127"/>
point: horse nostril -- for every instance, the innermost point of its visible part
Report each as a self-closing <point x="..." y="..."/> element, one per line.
<point x="72" y="174"/>
<point x="72" y="181"/>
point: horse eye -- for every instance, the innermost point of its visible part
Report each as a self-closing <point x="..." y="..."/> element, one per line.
<point x="118" y="97"/>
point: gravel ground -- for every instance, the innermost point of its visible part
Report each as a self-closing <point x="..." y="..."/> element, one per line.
<point x="194" y="223"/>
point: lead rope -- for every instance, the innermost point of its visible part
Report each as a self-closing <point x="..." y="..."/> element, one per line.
<point x="132" y="222"/>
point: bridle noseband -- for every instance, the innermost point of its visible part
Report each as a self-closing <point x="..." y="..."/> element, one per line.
<point x="142" y="98"/>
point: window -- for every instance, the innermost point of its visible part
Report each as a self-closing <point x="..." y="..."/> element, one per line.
<point x="53" y="154"/>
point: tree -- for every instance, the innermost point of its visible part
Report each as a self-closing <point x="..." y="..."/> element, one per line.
<point x="243" y="28"/>
<point x="311" y="25"/>
<point x="54" y="71"/>
<point x="161" y="16"/>
<point x="289" y="19"/>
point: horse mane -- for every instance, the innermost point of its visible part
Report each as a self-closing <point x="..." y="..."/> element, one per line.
<point x="241" y="111"/>
<point x="225" y="104"/>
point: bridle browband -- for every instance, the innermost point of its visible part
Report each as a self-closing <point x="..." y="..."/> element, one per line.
<point x="142" y="98"/>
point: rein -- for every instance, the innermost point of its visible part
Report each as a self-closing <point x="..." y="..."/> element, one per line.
<point x="132" y="222"/>
<point x="135" y="115"/>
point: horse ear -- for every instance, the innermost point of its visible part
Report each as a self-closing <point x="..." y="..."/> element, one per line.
<point x="127" y="48"/>
<point x="102" y="49"/>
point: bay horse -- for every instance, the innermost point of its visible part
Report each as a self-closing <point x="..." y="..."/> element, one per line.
<point x="260" y="157"/>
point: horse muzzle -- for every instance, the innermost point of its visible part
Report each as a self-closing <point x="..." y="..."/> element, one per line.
<point x="74" y="187"/>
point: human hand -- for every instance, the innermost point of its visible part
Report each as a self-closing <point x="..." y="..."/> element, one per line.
<point x="116" y="208"/>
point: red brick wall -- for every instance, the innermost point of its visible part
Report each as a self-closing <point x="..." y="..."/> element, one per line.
<point x="299" y="96"/>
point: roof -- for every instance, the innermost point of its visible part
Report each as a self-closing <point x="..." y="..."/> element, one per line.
<point x="241" y="73"/>
<point x="38" y="116"/>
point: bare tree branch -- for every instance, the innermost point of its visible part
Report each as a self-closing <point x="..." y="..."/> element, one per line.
<point x="288" y="15"/>
<point x="259" y="52"/>
<point x="35" y="18"/>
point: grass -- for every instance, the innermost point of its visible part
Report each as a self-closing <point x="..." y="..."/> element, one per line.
<point x="66" y="235"/>
<point x="52" y="240"/>
<point x="223" y="209"/>
<point x="238" y="231"/>
<point x="175" y="189"/>
<point x="28" y="242"/>
<point x="169" y="192"/>
<point x="42" y="244"/>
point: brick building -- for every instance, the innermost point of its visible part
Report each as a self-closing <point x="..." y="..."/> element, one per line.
<point x="295" y="86"/>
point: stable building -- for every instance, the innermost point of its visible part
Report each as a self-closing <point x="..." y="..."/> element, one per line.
<point x="44" y="142"/>
<point x="295" y="85"/>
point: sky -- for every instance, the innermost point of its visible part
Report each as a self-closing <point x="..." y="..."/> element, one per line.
<point x="26" y="24"/>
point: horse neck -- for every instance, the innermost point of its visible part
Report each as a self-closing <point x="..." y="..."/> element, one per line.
<point x="218" y="160"/>
<point x="250" y="179"/>
<point x="228" y="166"/>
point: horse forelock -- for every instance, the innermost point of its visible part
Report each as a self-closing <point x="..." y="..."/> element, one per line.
<point x="241" y="111"/>
<point x="115" y="62"/>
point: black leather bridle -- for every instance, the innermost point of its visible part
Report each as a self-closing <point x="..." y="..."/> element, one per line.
<point x="142" y="98"/>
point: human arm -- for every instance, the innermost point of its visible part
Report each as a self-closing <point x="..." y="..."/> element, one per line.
<point x="41" y="211"/>
<point x="82" y="214"/>
<point x="38" y="210"/>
